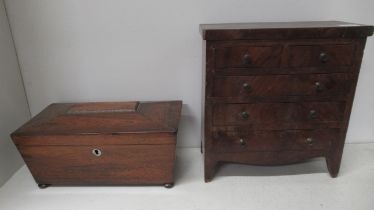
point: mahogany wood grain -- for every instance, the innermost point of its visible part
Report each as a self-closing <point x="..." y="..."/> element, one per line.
<point x="283" y="70"/>
<point x="257" y="56"/>
<point x="260" y="115"/>
<point x="104" y="143"/>
<point x="103" y="118"/>
<point x="98" y="107"/>
<point x="243" y="140"/>
<point x="310" y="55"/>
<point x="118" y="164"/>
<point x="267" y="86"/>
<point x="284" y="30"/>
<point x="278" y="90"/>
<point x="104" y="139"/>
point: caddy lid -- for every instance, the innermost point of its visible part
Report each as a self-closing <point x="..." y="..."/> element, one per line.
<point x="104" y="118"/>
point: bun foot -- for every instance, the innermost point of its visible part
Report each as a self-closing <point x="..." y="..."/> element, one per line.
<point x="43" y="186"/>
<point x="169" y="185"/>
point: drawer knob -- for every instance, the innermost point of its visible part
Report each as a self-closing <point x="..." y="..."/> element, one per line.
<point x="323" y="57"/>
<point x="242" y="142"/>
<point x="247" y="87"/>
<point x="318" y="86"/>
<point x="313" y="114"/>
<point x="309" y="141"/>
<point x="97" y="152"/>
<point x="245" y="115"/>
<point x="247" y="59"/>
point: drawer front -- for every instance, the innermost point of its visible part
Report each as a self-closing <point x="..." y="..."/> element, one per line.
<point x="100" y="165"/>
<point x="248" y="56"/>
<point x="263" y="115"/>
<point x="320" y="55"/>
<point x="268" y="140"/>
<point x="282" y="85"/>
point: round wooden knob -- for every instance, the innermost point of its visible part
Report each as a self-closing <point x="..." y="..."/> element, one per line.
<point x="247" y="87"/>
<point x="247" y="59"/>
<point x="313" y="114"/>
<point x="323" y="57"/>
<point x="309" y="141"/>
<point x="245" y="115"/>
<point x="242" y="142"/>
<point x="318" y="86"/>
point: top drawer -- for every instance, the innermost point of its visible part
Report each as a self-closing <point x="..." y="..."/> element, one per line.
<point x="320" y="55"/>
<point x="243" y="56"/>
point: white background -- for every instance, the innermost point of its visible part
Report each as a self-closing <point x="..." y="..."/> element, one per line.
<point x="13" y="105"/>
<point x="95" y="50"/>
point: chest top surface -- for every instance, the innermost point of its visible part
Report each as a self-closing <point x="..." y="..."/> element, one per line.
<point x="104" y="118"/>
<point x="284" y="30"/>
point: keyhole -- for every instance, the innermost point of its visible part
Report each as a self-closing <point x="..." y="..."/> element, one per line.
<point x="96" y="152"/>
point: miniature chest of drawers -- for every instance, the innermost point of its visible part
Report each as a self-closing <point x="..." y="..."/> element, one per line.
<point x="279" y="93"/>
<point x="107" y="143"/>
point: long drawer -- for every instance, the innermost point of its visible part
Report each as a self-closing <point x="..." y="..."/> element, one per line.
<point x="292" y="54"/>
<point x="264" y="115"/>
<point x="225" y="140"/>
<point x="262" y="86"/>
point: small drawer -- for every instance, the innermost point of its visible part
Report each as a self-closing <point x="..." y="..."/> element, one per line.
<point x="248" y="56"/>
<point x="270" y="140"/>
<point x="327" y="85"/>
<point x="278" y="115"/>
<point x="320" y="55"/>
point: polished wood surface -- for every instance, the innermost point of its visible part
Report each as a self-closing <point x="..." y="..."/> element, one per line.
<point x="105" y="143"/>
<point x="118" y="164"/>
<point x="284" y="30"/>
<point x="257" y="56"/>
<point x="104" y="118"/>
<point x="96" y="139"/>
<point x="242" y="140"/>
<point x="329" y="85"/>
<point x="278" y="93"/>
<point x="262" y="115"/>
<point x="310" y="55"/>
